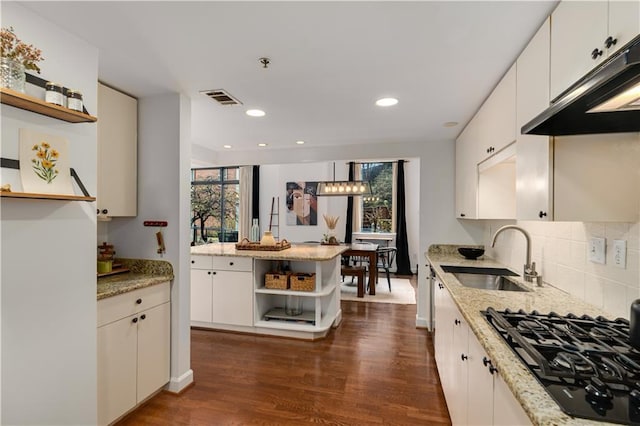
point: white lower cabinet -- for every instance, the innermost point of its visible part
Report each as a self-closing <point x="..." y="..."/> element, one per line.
<point x="133" y="349"/>
<point x="473" y="388"/>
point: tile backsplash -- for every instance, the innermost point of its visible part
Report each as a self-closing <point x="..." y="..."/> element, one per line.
<point x="559" y="250"/>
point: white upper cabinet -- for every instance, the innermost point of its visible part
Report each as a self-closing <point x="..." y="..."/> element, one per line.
<point x="498" y="116"/>
<point x="467" y="154"/>
<point x="534" y="164"/>
<point x="117" y="153"/>
<point x="580" y="31"/>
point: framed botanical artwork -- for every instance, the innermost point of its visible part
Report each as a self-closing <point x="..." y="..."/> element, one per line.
<point x="302" y="203"/>
<point x="44" y="163"/>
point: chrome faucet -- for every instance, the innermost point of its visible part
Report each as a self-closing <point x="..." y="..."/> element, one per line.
<point x="530" y="267"/>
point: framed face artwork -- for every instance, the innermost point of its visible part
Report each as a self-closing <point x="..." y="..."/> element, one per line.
<point x="302" y="203"/>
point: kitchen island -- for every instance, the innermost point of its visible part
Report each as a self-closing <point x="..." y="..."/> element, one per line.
<point x="228" y="290"/>
<point x="524" y="394"/>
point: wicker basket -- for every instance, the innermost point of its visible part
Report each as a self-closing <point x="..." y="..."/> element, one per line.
<point x="302" y="281"/>
<point x="245" y="244"/>
<point x="277" y="281"/>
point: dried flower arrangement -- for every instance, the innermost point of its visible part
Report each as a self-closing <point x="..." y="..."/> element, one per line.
<point x="15" y="49"/>
<point x="331" y="221"/>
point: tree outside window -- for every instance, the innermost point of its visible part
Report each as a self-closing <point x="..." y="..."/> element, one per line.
<point x="215" y="204"/>
<point x="377" y="209"/>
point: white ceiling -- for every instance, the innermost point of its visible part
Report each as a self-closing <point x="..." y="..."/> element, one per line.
<point x="329" y="62"/>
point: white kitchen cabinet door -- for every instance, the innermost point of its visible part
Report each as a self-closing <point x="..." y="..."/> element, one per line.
<point x="117" y="349"/>
<point x="497" y="127"/>
<point x="460" y="362"/>
<point x="154" y="347"/>
<point x="624" y="23"/>
<point x="507" y="411"/>
<point x="232" y="298"/>
<point x="577" y="29"/>
<point x="201" y="295"/>
<point x="534" y="153"/>
<point x="467" y="154"/>
<point x="117" y="153"/>
<point x="480" y="399"/>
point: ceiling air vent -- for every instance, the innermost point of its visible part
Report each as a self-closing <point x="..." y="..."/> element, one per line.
<point x="221" y="96"/>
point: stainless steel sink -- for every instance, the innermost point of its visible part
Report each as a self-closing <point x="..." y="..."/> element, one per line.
<point x="485" y="278"/>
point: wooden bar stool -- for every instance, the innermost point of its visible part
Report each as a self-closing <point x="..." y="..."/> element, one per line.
<point x="358" y="272"/>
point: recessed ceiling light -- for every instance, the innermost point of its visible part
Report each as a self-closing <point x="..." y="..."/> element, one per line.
<point x="386" y="102"/>
<point x="300" y="142"/>
<point x="450" y="124"/>
<point x="262" y="145"/>
<point x="227" y="146"/>
<point x="255" y="112"/>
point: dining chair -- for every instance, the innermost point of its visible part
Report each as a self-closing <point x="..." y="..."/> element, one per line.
<point x="386" y="257"/>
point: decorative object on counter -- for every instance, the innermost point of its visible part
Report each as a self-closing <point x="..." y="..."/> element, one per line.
<point x="54" y="94"/>
<point x="245" y="244"/>
<point x="16" y="57"/>
<point x="44" y="163"/>
<point x="276" y="280"/>
<point x="267" y="239"/>
<point x="330" y="237"/>
<point x="293" y="305"/>
<point x="302" y="281"/>
<point x="255" y="231"/>
<point x="160" y="241"/>
<point x="106" y="264"/>
<point x="74" y="100"/>
<point x="471" y="253"/>
<point x="5" y="188"/>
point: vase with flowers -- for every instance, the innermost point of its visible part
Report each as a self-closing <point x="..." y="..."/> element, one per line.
<point x="16" y="56"/>
<point x="330" y="237"/>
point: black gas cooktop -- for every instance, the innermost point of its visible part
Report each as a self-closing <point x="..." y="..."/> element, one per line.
<point x="586" y="364"/>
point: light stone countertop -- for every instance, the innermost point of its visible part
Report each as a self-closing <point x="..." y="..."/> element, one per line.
<point x="143" y="273"/>
<point x="535" y="400"/>
<point x="295" y="252"/>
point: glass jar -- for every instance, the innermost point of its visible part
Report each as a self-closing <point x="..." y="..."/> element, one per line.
<point x="293" y="305"/>
<point x="54" y="94"/>
<point x="74" y="100"/>
<point x="12" y="75"/>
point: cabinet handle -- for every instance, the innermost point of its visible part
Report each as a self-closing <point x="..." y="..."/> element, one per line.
<point x="97" y="211"/>
<point x="595" y="53"/>
<point x="486" y="361"/>
<point x="610" y="41"/>
<point x="462" y="215"/>
<point x="135" y="320"/>
<point x="105" y="211"/>
<point x="464" y="357"/>
<point x="139" y="301"/>
<point x="143" y="316"/>
<point x="492" y="369"/>
<point x="542" y="214"/>
<point x="456" y="321"/>
<point x="440" y="286"/>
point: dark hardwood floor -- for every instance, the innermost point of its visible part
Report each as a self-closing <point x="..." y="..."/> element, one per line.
<point x="375" y="369"/>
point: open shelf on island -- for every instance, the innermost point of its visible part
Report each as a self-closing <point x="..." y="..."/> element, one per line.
<point x="27" y="195"/>
<point x="29" y="103"/>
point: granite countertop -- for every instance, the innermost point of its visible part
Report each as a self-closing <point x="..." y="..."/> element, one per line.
<point x="143" y="273"/>
<point x="295" y="252"/>
<point x="535" y="400"/>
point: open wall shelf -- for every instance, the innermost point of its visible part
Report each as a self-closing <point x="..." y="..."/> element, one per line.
<point x="26" y="195"/>
<point x="29" y="103"/>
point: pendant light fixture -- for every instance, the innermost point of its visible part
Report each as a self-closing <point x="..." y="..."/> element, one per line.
<point x="344" y="187"/>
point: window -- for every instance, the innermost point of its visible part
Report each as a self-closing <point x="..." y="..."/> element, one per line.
<point x="215" y="204"/>
<point x="377" y="209"/>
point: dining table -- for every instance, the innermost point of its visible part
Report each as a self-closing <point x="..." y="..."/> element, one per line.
<point x="370" y="251"/>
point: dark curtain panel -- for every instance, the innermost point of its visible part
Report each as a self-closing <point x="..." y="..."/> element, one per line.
<point x="255" y="196"/>
<point x="402" y="257"/>
<point x="349" y="220"/>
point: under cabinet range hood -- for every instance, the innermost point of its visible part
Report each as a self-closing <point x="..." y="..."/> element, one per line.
<point x="606" y="100"/>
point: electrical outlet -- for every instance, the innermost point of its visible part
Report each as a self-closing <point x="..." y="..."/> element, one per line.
<point x="620" y="253"/>
<point x="597" y="250"/>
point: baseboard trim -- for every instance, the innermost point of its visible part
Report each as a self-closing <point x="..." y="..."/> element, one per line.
<point x="179" y="384"/>
<point x="422" y="322"/>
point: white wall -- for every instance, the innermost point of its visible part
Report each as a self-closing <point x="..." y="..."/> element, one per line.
<point x="432" y="202"/>
<point x="48" y="252"/>
<point x="164" y="155"/>
<point x="560" y="252"/>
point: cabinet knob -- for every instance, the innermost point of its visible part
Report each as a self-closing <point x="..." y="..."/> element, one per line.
<point x="135" y="320"/>
<point x="610" y="41"/>
<point x="440" y="285"/>
<point x="542" y="214"/>
<point x="230" y="263"/>
<point x="595" y="53"/>
<point x="209" y="273"/>
<point x="143" y="316"/>
<point x="193" y="261"/>
<point x="139" y="301"/>
<point x="105" y="211"/>
<point x="462" y="215"/>
<point x="464" y="357"/>
<point x="97" y="211"/>
<point x="492" y="369"/>
<point x="486" y="361"/>
<point x="456" y="321"/>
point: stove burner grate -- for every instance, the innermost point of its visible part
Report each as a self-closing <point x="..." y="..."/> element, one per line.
<point x="573" y="362"/>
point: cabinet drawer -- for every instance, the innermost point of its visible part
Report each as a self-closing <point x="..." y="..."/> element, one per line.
<point x="232" y="263"/>
<point x="114" y="308"/>
<point x="201" y="262"/>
